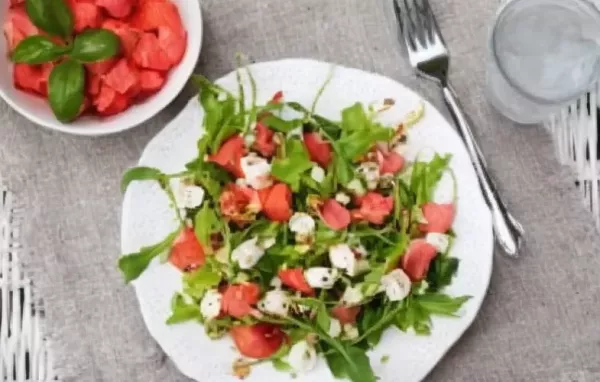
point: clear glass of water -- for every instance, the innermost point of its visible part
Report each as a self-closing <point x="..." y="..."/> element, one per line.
<point x="543" y="54"/>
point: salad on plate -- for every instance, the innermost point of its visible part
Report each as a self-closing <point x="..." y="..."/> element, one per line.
<point x="300" y="236"/>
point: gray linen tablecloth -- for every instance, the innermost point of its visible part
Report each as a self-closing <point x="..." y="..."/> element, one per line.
<point x="540" y="320"/>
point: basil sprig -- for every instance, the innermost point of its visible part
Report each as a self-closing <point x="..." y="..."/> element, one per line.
<point x="67" y="79"/>
<point x="38" y="50"/>
<point x="65" y="90"/>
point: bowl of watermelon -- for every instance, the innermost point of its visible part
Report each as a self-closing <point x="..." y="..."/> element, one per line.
<point x="96" y="67"/>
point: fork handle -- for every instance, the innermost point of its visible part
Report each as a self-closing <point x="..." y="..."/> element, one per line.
<point x="507" y="230"/>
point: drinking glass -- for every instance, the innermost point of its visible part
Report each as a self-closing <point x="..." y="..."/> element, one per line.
<point x="543" y="55"/>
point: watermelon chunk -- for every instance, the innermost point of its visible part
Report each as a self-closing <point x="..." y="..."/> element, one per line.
<point x="109" y="101"/>
<point x="101" y="67"/>
<point x="85" y="14"/>
<point x="152" y="14"/>
<point x="172" y="43"/>
<point x="129" y="36"/>
<point x="439" y="217"/>
<point x="93" y="84"/>
<point x="16" y="2"/>
<point x="17" y="26"/>
<point x="149" y="55"/>
<point x="122" y="77"/>
<point x="417" y="259"/>
<point x="117" y="8"/>
<point x="151" y="81"/>
<point x="32" y="78"/>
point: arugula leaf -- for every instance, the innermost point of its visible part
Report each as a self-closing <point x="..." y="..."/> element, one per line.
<point x="359" y="368"/>
<point x="290" y="169"/>
<point x="210" y="177"/>
<point x="413" y="316"/>
<point x="354" y="118"/>
<point x="217" y="328"/>
<point x="425" y="177"/>
<point x="323" y="319"/>
<point x="337" y="365"/>
<point x="277" y="124"/>
<point x="394" y="253"/>
<point x="220" y="118"/>
<point x="369" y="319"/>
<point x="268" y="266"/>
<point x="359" y="133"/>
<point x="198" y="282"/>
<point x="206" y="222"/>
<point x="440" y="304"/>
<point x="132" y="265"/>
<point x="441" y="272"/>
<point x="142" y="173"/>
<point x="280" y="365"/>
<point x="343" y="170"/>
<point x="182" y="311"/>
<point x="360" y="142"/>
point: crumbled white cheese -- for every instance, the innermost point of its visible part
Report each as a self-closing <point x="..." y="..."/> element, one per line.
<point x="248" y="253"/>
<point x="342" y="257"/>
<point x="342" y="198"/>
<point x="352" y="296"/>
<point x="210" y="306"/>
<point x="440" y="241"/>
<point x="335" y="328"/>
<point x="187" y="195"/>
<point x="257" y="171"/>
<point x="317" y="173"/>
<point x="302" y="357"/>
<point x="302" y="223"/>
<point x="249" y="139"/>
<point x="276" y="282"/>
<point x="350" y="332"/>
<point x="369" y="171"/>
<point x="396" y="285"/>
<point x="275" y="302"/>
<point x="321" y="277"/>
<point x="356" y="187"/>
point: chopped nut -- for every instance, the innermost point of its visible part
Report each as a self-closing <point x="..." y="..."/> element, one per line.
<point x="241" y="368"/>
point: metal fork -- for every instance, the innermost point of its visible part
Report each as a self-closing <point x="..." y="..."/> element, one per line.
<point x="429" y="56"/>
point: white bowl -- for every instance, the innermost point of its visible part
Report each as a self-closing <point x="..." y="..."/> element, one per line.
<point x="37" y="110"/>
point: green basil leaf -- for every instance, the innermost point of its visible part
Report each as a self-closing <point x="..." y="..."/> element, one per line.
<point x="36" y="50"/>
<point x="94" y="45"/>
<point x="65" y="90"/>
<point x="182" y="311"/>
<point x="52" y="16"/>
<point x="141" y="173"/>
<point x="133" y="265"/>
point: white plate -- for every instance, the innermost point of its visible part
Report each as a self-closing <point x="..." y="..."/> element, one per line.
<point x="37" y="110"/>
<point x="147" y="219"/>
